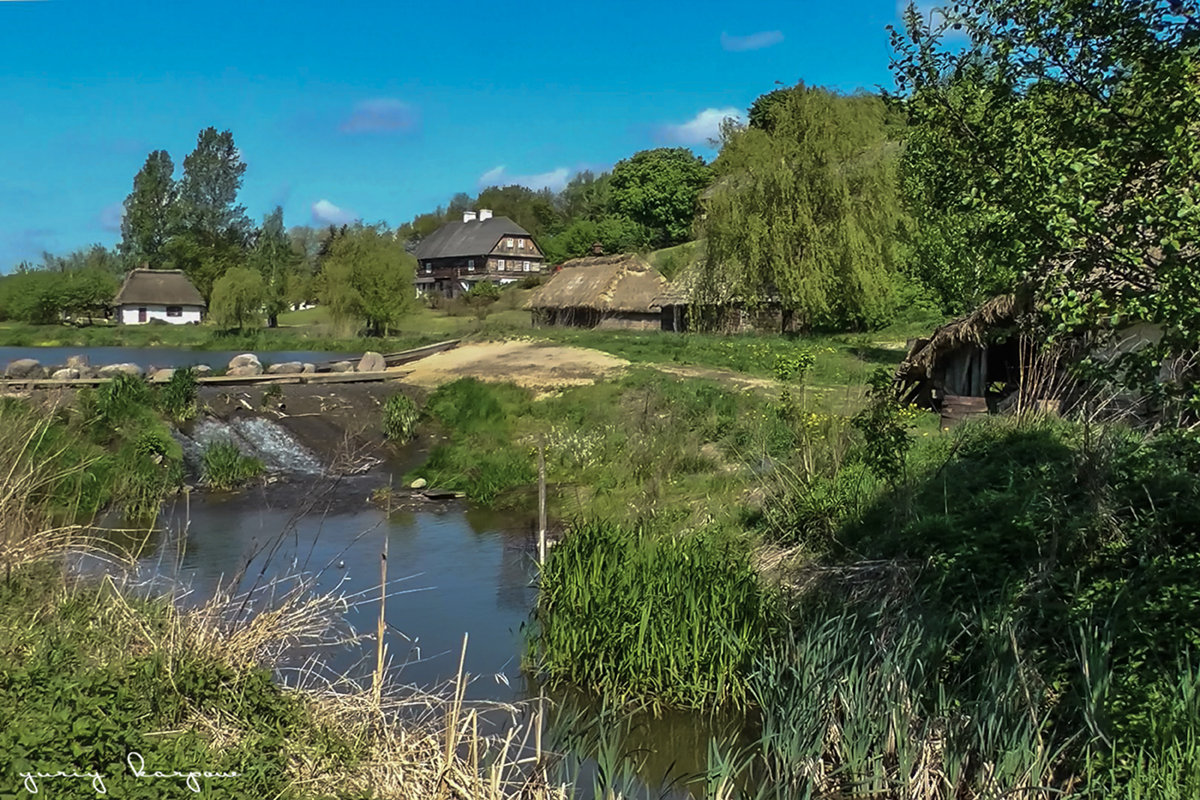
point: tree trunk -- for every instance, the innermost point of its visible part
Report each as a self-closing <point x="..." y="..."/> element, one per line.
<point x="272" y="320"/>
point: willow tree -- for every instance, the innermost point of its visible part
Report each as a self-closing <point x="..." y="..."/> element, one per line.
<point x="807" y="214"/>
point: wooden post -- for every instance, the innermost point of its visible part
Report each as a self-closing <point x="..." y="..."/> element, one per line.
<point x="541" y="503"/>
<point x="381" y="649"/>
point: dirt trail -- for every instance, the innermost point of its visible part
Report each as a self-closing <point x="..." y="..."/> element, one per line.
<point x="531" y="364"/>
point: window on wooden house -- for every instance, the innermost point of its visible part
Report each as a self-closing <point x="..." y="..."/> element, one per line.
<point x="527" y="266"/>
<point x="500" y="265"/>
<point x="509" y="244"/>
<point x="520" y="244"/>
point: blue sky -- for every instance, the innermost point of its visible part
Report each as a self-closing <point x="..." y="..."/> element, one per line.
<point x="381" y="110"/>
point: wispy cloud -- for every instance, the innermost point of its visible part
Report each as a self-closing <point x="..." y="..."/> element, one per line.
<point x="555" y="179"/>
<point x="753" y="41"/>
<point x="380" y="115"/>
<point x="700" y="129"/>
<point x="111" y="215"/>
<point x="326" y="213"/>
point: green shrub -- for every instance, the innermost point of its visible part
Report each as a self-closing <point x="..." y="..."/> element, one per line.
<point x="225" y="468"/>
<point x="399" y="418"/>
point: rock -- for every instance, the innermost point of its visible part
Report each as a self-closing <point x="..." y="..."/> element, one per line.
<point x="202" y="369"/>
<point x="342" y="366"/>
<point x="77" y="362"/>
<point x="419" y="483"/>
<point x="24" y="368"/>
<point x="371" y="362"/>
<point x="245" y="364"/>
<point x="286" y="368"/>
<point x="162" y="375"/>
<point x="308" y="369"/>
<point x="112" y="370"/>
<point x="65" y="374"/>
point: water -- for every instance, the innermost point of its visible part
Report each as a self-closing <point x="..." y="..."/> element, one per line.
<point x="162" y="357"/>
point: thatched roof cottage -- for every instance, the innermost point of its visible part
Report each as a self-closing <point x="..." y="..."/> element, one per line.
<point x="616" y="291"/>
<point x="165" y="295"/>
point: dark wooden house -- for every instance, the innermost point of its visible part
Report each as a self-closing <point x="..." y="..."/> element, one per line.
<point x="480" y="248"/>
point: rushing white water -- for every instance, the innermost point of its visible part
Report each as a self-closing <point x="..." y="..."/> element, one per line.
<point x="269" y="442"/>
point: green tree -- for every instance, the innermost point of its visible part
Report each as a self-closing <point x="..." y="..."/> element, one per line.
<point x="214" y="228"/>
<point x="1063" y="134"/>
<point x="810" y="214"/>
<point x="367" y="278"/>
<point x="151" y="212"/>
<point x="276" y="260"/>
<point x="659" y="189"/>
<point x="237" y="299"/>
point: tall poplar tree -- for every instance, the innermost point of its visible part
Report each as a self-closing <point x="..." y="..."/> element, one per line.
<point x="151" y="212"/>
<point x="276" y="260"/>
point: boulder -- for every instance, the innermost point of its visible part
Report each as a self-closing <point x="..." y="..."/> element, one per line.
<point x="202" y="370"/>
<point x="65" y="374"/>
<point x="419" y="483"/>
<point x="246" y="361"/>
<point x="77" y="362"/>
<point x="112" y="370"/>
<point x="286" y="368"/>
<point x="341" y="366"/>
<point x="308" y="369"/>
<point x="24" y="368"/>
<point x="161" y="375"/>
<point x="371" y="362"/>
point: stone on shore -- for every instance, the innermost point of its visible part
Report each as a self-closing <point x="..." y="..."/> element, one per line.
<point x="65" y="374"/>
<point x="245" y="364"/>
<point x="371" y="362"/>
<point x="419" y="483"/>
<point x="308" y="369"/>
<point x="24" y="368"/>
<point x="342" y="366"/>
<point x="286" y="368"/>
<point x="78" y="362"/>
<point x="162" y="375"/>
<point x="113" y="370"/>
<point x="202" y="370"/>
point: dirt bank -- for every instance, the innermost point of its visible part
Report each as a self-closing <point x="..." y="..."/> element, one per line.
<point x="535" y="365"/>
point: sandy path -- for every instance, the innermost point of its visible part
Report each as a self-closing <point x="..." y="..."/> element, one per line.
<point x="531" y="364"/>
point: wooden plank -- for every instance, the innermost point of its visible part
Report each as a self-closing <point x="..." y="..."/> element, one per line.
<point x="956" y="408"/>
<point x="405" y="356"/>
<point x="352" y="377"/>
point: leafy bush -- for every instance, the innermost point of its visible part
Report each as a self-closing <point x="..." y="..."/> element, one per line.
<point x="399" y="418"/>
<point x="225" y="468"/>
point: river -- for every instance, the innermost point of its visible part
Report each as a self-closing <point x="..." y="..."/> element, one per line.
<point x="161" y="357"/>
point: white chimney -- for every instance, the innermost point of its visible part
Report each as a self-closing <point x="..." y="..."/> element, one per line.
<point x="485" y="213"/>
<point x="468" y="216"/>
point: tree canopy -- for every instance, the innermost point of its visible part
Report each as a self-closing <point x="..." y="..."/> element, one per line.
<point x="277" y="262"/>
<point x="1059" y="144"/>
<point x="659" y="189"/>
<point x="808" y="214"/>
<point x="151" y="212"/>
<point x="237" y="299"/>
<point x="367" y="278"/>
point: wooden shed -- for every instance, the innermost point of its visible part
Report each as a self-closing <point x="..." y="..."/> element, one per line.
<point x="614" y="292"/>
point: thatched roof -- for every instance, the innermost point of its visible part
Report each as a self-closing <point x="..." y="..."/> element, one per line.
<point x="602" y="283"/>
<point x="168" y="287"/>
<point x="973" y="328"/>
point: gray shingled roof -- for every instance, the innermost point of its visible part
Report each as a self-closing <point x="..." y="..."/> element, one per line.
<point x="158" y="286"/>
<point x="462" y="239"/>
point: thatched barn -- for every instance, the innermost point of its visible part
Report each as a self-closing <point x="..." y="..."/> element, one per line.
<point x="617" y="291"/>
<point x="688" y="304"/>
<point x="968" y="365"/>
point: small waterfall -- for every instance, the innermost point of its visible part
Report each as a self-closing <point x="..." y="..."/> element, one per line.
<point x="270" y="443"/>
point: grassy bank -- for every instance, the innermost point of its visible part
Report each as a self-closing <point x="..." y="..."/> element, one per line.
<point x="1011" y="612"/>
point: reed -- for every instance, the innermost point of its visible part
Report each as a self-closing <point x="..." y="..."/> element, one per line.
<point x="626" y="612"/>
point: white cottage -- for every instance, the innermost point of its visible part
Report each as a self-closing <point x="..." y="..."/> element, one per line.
<point x="158" y="294"/>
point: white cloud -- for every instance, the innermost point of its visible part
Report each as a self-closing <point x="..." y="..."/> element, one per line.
<point x="380" y="115"/>
<point x="555" y="179"/>
<point x="753" y="41"/>
<point x="699" y="129"/>
<point x="326" y="213"/>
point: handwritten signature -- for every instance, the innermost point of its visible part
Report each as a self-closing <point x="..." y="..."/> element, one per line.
<point x="137" y="765"/>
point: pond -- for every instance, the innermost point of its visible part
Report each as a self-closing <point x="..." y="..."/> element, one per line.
<point x="161" y="357"/>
